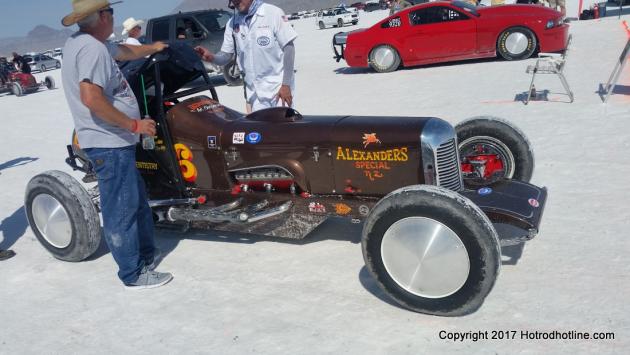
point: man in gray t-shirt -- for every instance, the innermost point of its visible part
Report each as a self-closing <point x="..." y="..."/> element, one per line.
<point x="107" y="121"/>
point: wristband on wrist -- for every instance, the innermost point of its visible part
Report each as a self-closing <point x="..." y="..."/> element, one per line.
<point x="134" y="126"/>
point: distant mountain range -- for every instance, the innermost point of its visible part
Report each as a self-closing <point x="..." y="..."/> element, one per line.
<point x="42" y="38"/>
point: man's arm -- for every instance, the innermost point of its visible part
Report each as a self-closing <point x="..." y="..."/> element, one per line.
<point x="129" y="52"/>
<point x="284" y="94"/>
<point x="92" y="97"/>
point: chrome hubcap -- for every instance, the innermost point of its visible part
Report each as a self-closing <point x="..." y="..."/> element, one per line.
<point x="425" y="257"/>
<point x="384" y="57"/>
<point x="52" y="221"/>
<point x="516" y="43"/>
<point x="489" y="145"/>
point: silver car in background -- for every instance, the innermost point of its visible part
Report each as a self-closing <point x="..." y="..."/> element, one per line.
<point x="42" y="62"/>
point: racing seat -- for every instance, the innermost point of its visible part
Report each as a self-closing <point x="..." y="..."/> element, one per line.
<point x="549" y="63"/>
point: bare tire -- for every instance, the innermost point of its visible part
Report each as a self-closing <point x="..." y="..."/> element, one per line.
<point x="321" y="25"/>
<point x="62" y="216"/>
<point x="17" y="89"/>
<point x="431" y="250"/>
<point x="339" y="23"/>
<point x="516" y="43"/>
<point x="49" y="82"/>
<point x="491" y="149"/>
<point x="384" y="59"/>
<point x="232" y="74"/>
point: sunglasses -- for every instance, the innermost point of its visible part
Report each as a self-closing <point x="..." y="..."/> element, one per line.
<point x="109" y="9"/>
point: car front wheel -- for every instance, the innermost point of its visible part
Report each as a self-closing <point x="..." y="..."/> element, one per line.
<point x="384" y="59"/>
<point x="491" y="149"/>
<point x="516" y="43"/>
<point x="431" y="250"/>
<point x="321" y="25"/>
<point x="340" y="23"/>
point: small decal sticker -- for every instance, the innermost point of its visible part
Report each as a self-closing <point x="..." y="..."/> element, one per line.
<point x="533" y="202"/>
<point x="146" y="165"/>
<point x="364" y="210"/>
<point x="238" y="138"/>
<point x="212" y="142"/>
<point x="316" y="207"/>
<point x="484" y="191"/>
<point x="253" y="138"/>
<point x="369" y="138"/>
<point x="342" y="209"/>
<point x="263" y="41"/>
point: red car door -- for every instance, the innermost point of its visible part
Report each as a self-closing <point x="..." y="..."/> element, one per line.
<point x="440" y="32"/>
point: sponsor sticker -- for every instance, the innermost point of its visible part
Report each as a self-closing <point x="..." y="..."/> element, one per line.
<point x="212" y="142"/>
<point x="484" y="191"/>
<point x="342" y="209"/>
<point x="146" y="165"/>
<point x="533" y="202"/>
<point x="263" y="41"/>
<point x="253" y="138"/>
<point x="238" y="138"/>
<point x="364" y="210"/>
<point x="369" y="138"/>
<point x="316" y="207"/>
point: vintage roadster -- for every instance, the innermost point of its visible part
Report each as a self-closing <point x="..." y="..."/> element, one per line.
<point x="428" y="193"/>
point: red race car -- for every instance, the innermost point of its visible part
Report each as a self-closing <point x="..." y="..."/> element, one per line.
<point x="445" y="31"/>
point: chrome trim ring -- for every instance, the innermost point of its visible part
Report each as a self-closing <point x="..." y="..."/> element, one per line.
<point x="51" y="220"/>
<point x="425" y="257"/>
<point x="516" y="43"/>
<point x="384" y="57"/>
<point x="490" y="145"/>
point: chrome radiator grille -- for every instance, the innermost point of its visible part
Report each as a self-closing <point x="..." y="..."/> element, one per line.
<point x="447" y="166"/>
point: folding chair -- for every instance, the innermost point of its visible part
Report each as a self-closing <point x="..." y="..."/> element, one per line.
<point x="549" y="63"/>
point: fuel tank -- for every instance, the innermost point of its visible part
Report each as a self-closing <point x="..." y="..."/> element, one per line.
<point x="279" y="149"/>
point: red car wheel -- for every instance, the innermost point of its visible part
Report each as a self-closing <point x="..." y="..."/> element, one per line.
<point x="384" y="59"/>
<point x="516" y="43"/>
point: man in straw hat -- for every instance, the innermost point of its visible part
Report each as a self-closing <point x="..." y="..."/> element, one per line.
<point x="107" y="121"/>
<point x="132" y="28"/>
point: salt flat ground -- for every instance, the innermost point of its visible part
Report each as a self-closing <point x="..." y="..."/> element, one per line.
<point x="235" y="294"/>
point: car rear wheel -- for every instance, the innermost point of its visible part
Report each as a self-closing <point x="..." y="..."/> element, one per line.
<point x="516" y="43"/>
<point x="49" y="82"/>
<point x="431" y="250"/>
<point x="339" y="23"/>
<point x="491" y="149"/>
<point x="17" y="89"/>
<point x="62" y="216"/>
<point x="384" y="59"/>
<point x="321" y="25"/>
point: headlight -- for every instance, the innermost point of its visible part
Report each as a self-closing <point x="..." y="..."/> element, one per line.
<point x="550" y="24"/>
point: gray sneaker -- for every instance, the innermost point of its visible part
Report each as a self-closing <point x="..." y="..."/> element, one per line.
<point x="157" y="259"/>
<point x="150" y="279"/>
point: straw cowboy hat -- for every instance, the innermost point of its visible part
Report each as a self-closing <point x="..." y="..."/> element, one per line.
<point x="84" y="8"/>
<point x="130" y="24"/>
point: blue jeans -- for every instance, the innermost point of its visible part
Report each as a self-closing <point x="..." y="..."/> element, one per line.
<point x="127" y="218"/>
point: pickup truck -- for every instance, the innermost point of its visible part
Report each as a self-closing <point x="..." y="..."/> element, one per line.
<point x="336" y="18"/>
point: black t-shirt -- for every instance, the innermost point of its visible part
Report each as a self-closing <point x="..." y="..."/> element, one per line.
<point x="24" y="67"/>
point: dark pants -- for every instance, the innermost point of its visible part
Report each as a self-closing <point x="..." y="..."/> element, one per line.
<point x="127" y="218"/>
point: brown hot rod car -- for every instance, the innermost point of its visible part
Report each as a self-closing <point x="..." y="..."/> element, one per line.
<point x="429" y="194"/>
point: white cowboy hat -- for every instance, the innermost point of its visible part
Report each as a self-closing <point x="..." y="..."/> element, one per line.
<point x="129" y="25"/>
<point x="84" y="8"/>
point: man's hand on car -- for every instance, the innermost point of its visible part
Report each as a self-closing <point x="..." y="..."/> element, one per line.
<point x="284" y="94"/>
<point x="204" y="54"/>
<point x="159" y="46"/>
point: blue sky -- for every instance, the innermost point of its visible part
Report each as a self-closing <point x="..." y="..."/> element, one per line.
<point x="18" y="17"/>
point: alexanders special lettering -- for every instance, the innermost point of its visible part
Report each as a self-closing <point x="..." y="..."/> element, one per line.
<point x="396" y="154"/>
